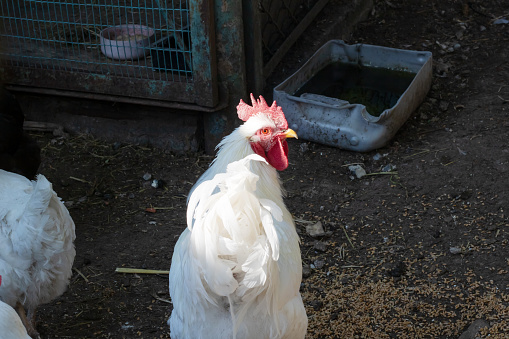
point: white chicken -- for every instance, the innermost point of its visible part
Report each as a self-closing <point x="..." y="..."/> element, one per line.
<point x="36" y="245"/>
<point x="236" y="270"/>
<point x="11" y="326"/>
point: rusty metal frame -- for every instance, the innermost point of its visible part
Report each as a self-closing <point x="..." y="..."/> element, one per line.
<point x="204" y="52"/>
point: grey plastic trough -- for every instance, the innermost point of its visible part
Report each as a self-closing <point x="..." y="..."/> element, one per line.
<point x="349" y="125"/>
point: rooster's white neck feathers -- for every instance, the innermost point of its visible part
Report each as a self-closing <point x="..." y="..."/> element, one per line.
<point x="237" y="146"/>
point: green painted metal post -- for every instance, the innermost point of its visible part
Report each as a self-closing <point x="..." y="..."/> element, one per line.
<point x="204" y="52"/>
<point x="231" y="71"/>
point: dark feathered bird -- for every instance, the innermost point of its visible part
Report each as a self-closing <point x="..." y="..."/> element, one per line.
<point x="18" y="152"/>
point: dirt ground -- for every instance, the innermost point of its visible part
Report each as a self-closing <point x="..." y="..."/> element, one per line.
<point x="417" y="252"/>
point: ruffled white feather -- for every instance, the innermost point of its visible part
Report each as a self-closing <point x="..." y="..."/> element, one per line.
<point x="36" y="241"/>
<point x="231" y="230"/>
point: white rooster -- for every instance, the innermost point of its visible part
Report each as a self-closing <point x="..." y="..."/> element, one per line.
<point x="236" y="270"/>
<point x="36" y="245"/>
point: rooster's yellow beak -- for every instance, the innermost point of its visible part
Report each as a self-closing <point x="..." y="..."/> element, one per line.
<point x="290" y="133"/>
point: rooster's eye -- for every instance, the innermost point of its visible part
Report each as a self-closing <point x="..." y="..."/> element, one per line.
<point x="265" y="131"/>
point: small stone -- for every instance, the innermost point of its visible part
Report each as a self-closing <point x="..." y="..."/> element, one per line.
<point x="319" y="264"/>
<point x="157" y="183"/>
<point x="320" y="246"/>
<point x="147" y="176"/>
<point x="126" y="327"/>
<point x="389" y="168"/>
<point x="357" y="170"/>
<point x="315" y="230"/>
<point x="455" y="250"/>
<point x="306" y="271"/>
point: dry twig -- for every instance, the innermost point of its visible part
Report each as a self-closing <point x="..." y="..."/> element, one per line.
<point x="139" y="271"/>
<point x="81" y="274"/>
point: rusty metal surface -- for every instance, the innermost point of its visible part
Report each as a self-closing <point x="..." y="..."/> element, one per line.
<point x="204" y="52"/>
<point x="231" y="70"/>
<point x="100" y="83"/>
<point x="117" y="99"/>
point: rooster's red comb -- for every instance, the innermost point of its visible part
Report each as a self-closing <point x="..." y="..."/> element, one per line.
<point x="275" y="112"/>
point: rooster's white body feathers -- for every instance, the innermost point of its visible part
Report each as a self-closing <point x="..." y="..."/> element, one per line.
<point x="36" y="241"/>
<point x="236" y="270"/>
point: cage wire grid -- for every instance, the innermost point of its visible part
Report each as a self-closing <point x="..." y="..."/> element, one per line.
<point x="278" y="20"/>
<point x="153" y="41"/>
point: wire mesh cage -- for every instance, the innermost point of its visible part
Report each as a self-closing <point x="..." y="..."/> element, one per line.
<point x="84" y="35"/>
<point x="101" y="40"/>
<point x="278" y="20"/>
